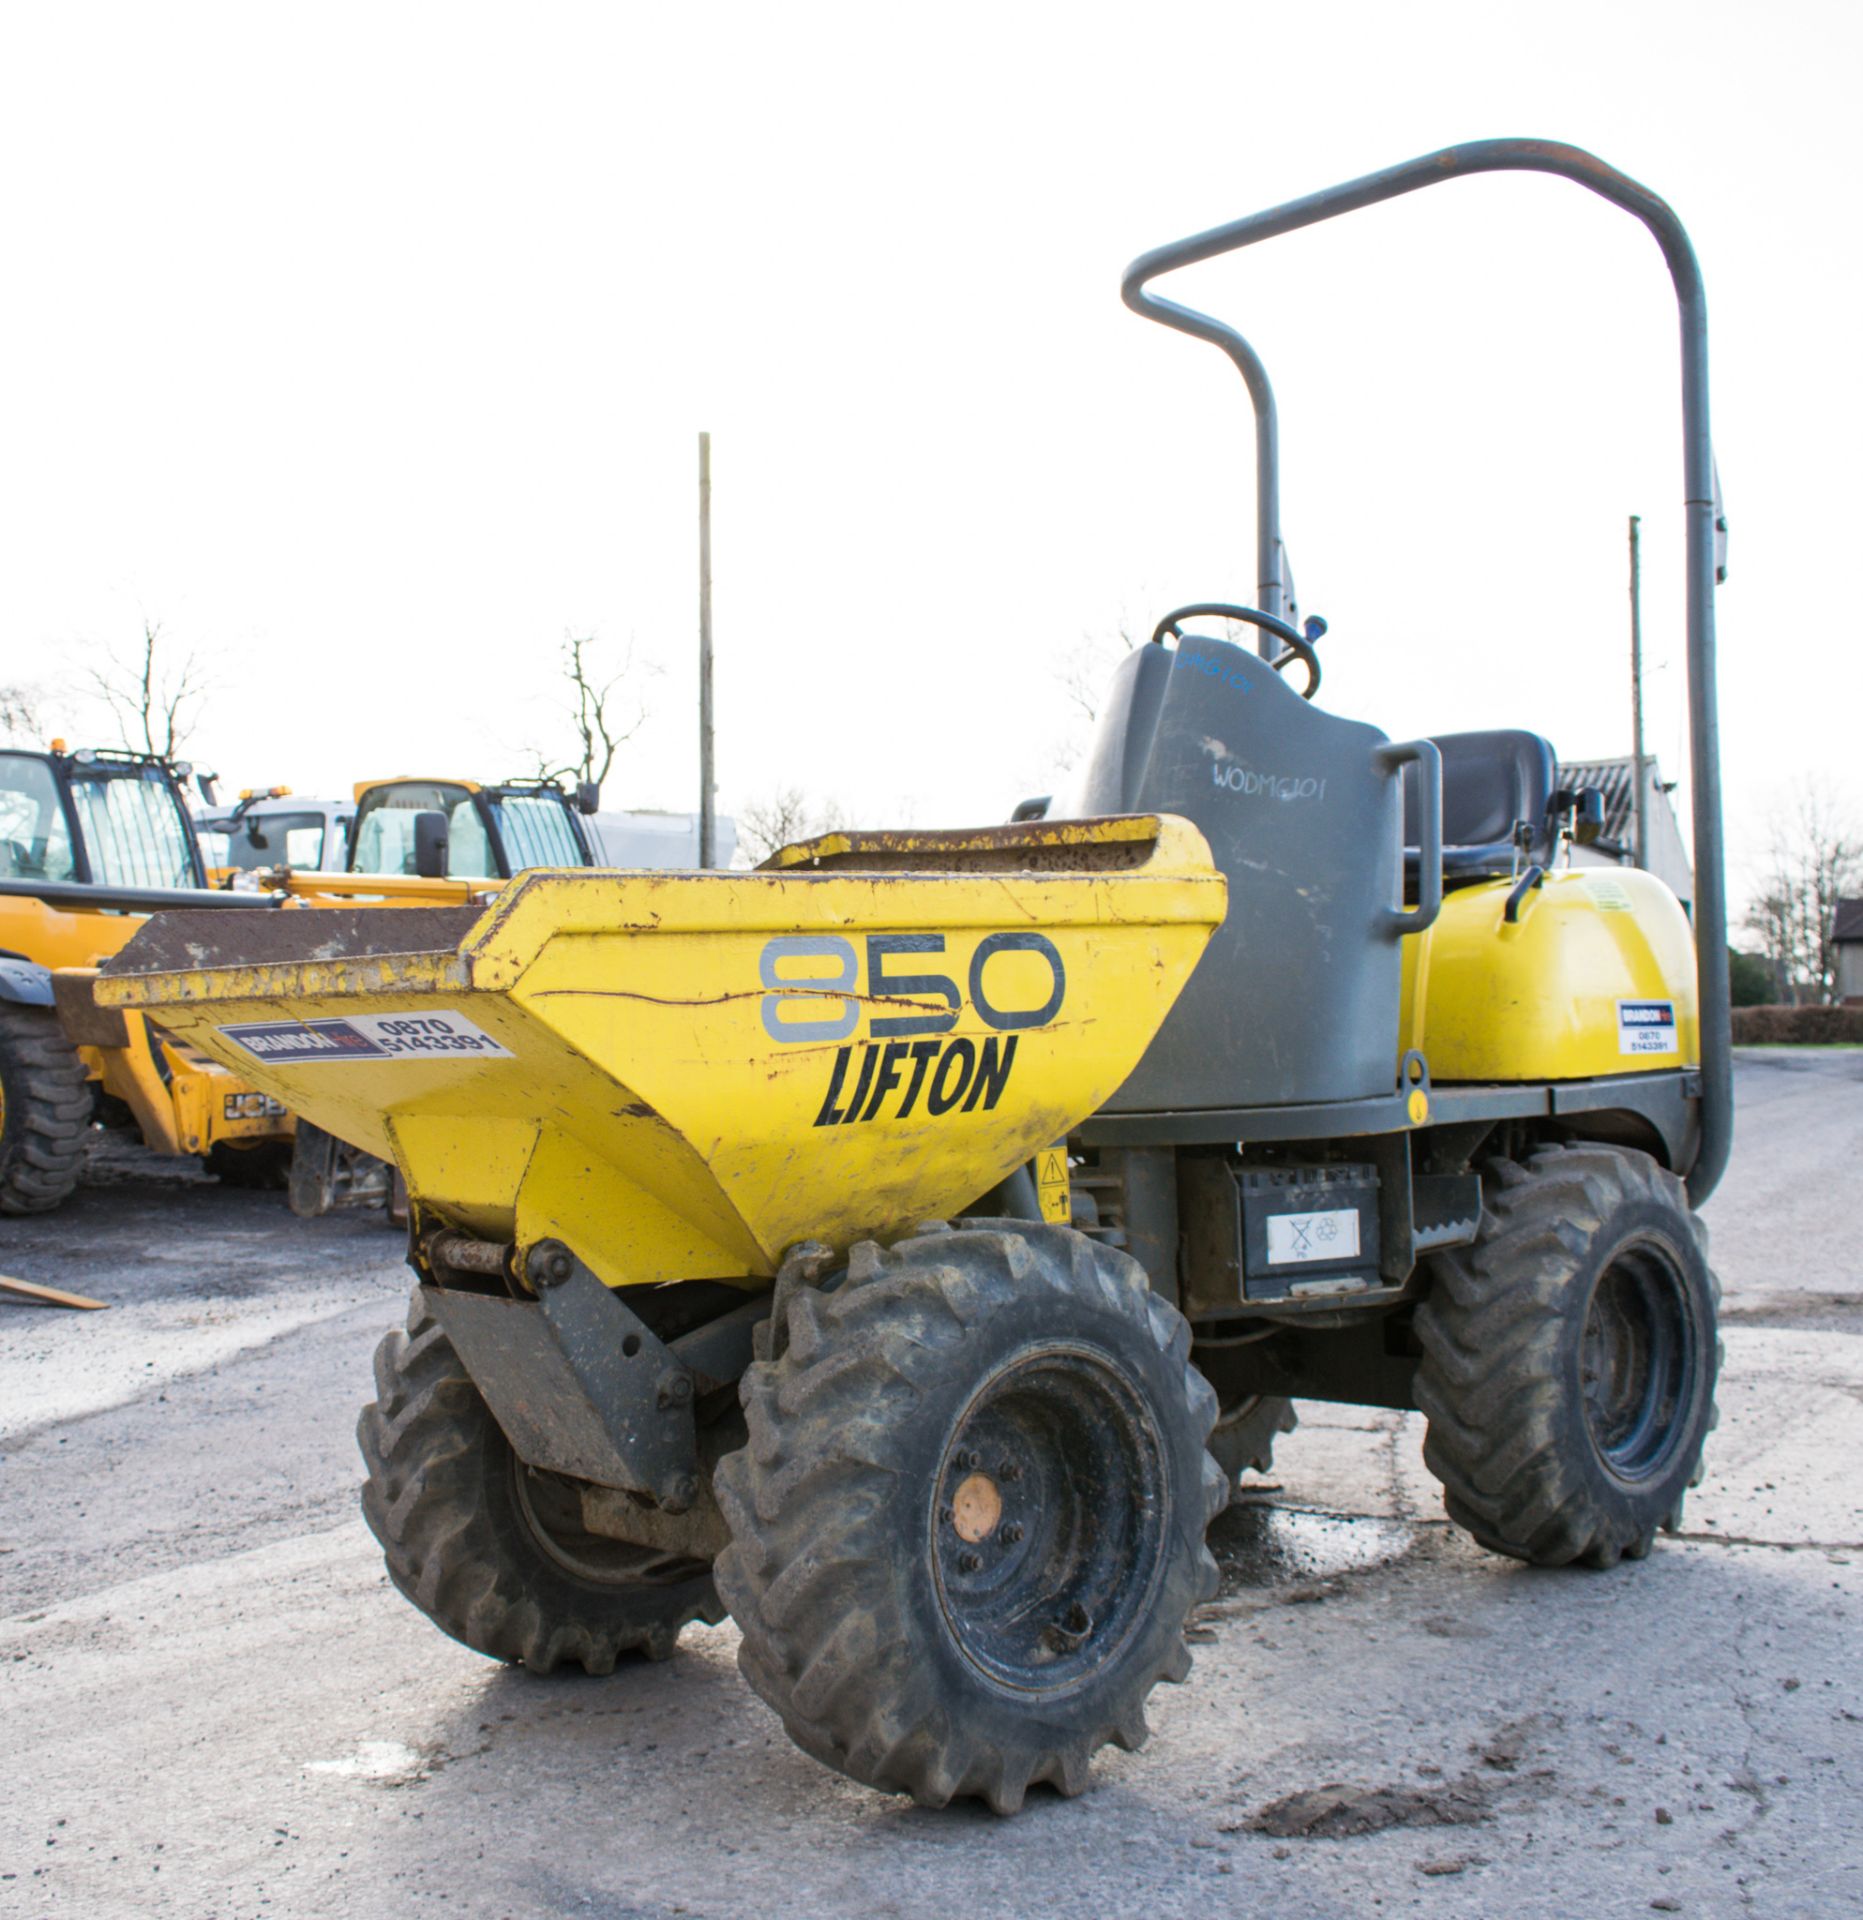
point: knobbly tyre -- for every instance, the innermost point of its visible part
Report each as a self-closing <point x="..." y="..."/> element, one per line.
<point x="885" y="1246"/>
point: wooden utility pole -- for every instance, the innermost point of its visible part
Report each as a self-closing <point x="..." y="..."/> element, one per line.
<point x="707" y="829"/>
<point x="1639" y="767"/>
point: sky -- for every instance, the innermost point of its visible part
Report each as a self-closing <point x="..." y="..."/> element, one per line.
<point x="363" y="350"/>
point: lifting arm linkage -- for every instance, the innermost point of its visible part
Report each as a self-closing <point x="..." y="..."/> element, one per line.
<point x="1569" y="163"/>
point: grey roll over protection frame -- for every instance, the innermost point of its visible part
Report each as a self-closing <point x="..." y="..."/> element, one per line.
<point x="1699" y="505"/>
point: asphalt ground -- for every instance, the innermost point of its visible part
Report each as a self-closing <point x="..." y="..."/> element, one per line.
<point x="212" y="1703"/>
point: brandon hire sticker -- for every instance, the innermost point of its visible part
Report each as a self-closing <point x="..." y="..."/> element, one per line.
<point x="367" y="1036"/>
<point x="1646" y="1026"/>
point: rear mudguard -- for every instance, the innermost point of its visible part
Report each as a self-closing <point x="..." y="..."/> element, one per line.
<point x="25" y="982"/>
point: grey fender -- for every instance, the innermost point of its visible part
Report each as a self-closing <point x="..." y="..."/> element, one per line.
<point x="25" y="982"/>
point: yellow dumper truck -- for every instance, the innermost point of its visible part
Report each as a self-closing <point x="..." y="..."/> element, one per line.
<point x="899" y="1246"/>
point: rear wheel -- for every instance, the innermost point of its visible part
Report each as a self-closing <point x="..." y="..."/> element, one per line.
<point x="1569" y="1359"/>
<point x="969" y="1522"/>
<point x="493" y="1552"/>
<point x="45" y="1110"/>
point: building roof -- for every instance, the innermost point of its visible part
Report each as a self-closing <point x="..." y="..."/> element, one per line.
<point x="1849" y="920"/>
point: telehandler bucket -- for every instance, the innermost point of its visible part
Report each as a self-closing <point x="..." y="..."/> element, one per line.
<point x="681" y="1075"/>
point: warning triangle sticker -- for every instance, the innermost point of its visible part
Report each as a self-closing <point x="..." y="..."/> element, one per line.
<point x="1053" y="1169"/>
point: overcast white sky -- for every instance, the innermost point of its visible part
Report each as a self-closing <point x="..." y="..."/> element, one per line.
<point x="364" y="349"/>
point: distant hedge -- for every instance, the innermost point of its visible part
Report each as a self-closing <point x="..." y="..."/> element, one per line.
<point x="1797" y="1026"/>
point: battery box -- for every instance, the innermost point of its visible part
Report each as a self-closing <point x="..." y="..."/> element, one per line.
<point x="1303" y="1226"/>
<point x="1281" y="1233"/>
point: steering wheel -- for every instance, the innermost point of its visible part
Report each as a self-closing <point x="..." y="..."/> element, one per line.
<point x="1300" y="646"/>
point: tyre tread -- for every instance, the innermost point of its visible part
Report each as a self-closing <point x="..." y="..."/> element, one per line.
<point x="815" y="1644"/>
<point x="424" y="1440"/>
<point x="1490" y="1333"/>
<point x="48" y="1111"/>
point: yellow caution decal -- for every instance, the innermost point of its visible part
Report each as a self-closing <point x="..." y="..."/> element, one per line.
<point x="1057" y="1203"/>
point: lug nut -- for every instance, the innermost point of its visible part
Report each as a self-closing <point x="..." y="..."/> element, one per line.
<point x="1012" y="1533"/>
<point x="947" y="1516"/>
<point x="1009" y="1471"/>
<point x="969" y="1562"/>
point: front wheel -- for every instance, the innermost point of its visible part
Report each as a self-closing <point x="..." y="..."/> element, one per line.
<point x="969" y="1521"/>
<point x="45" y="1111"/>
<point x="1569" y="1358"/>
<point x="493" y="1552"/>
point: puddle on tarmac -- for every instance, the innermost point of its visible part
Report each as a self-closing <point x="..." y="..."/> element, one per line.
<point x="1258" y="1545"/>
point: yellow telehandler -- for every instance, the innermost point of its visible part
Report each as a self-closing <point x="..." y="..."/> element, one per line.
<point x="91" y="843"/>
<point x="436" y="842"/>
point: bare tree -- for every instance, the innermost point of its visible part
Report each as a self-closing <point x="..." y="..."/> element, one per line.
<point x="19" y="714"/>
<point x="1083" y="671"/>
<point x="1772" y="918"/>
<point x="1813" y="860"/>
<point x="148" y="696"/>
<point x="601" y="723"/>
<point x="782" y="817"/>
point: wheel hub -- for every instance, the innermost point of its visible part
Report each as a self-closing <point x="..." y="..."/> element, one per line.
<point x="1637" y="1361"/>
<point x="976" y="1508"/>
<point x="1047" y="1530"/>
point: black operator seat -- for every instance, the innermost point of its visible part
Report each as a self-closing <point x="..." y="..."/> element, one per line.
<point x="1492" y="781"/>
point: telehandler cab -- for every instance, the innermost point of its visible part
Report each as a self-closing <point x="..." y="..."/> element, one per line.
<point x="465" y="831"/>
<point x="869" y="1245"/>
<point x="271" y="829"/>
<point x="405" y="842"/>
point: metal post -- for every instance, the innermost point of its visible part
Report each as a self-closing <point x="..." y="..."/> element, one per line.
<point x="1639" y="766"/>
<point x="707" y="833"/>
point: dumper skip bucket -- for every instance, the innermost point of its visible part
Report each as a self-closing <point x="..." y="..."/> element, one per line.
<point x="681" y="1075"/>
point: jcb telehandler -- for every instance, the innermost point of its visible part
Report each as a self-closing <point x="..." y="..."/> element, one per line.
<point x="91" y="842"/>
<point x="868" y="1246"/>
<point x="451" y="841"/>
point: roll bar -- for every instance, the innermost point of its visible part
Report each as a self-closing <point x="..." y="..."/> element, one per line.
<point x="1698" y="490"/>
